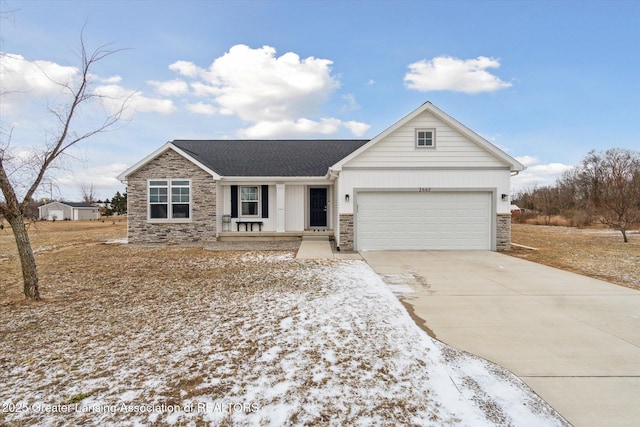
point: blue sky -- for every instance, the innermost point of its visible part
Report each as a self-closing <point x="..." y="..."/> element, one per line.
<point x="546" y="81"/>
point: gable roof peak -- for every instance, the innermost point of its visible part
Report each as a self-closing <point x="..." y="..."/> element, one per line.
<point x="514" y="165"/>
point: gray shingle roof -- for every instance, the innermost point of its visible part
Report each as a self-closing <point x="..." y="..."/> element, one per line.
<point x="78" y="204"/>
<point x="269" y="157"/>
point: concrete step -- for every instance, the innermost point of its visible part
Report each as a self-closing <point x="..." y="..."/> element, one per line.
<point x="317" y="238"/>
<point x="315" y="249"/>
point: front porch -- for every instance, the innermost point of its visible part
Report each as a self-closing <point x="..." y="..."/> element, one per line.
<point x="252" y="236"/>
<point x="267" y="211"/>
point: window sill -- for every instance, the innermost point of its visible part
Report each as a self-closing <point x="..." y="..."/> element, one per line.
<point x="169" y="221"/>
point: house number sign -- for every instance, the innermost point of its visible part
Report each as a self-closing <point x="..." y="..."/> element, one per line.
<point x="424" y="189"/>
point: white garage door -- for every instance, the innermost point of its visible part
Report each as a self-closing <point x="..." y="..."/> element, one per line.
<point x="430" y="220"/>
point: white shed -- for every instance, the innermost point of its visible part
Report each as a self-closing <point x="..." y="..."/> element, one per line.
<point x="68" y="211"/>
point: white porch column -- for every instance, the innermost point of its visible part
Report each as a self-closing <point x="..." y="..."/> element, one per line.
<point x="280" y="202"/>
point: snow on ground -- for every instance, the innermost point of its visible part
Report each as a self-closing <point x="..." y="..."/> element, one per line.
<point x="292" y="343"/>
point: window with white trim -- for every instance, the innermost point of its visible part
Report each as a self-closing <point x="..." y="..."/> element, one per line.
<point x="249" y="200"/>
<point x="169" y="199"/>
<point x="425" y="138"/>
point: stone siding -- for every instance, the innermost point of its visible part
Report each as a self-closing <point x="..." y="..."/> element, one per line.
<point x="202" y="227"/>
<point x="503" y="232"/>
<point x="346" y="232"/>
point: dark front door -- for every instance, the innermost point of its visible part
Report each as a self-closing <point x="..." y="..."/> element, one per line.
<point x="318" y="207"/>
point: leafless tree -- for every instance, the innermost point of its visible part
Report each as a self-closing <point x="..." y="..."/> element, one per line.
<point x="88" y="192"/>
<point x="17" y="190"/>
<point x="545" y="199"/>
<point x="610" y="183"/>
<point x="525" y="198"/>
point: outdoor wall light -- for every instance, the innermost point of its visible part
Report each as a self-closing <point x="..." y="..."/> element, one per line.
<point x="505" y="197"/>
<point x="346" y="197"/>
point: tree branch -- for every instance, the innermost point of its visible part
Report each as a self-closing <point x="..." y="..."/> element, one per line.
<point x="79" y="95"/>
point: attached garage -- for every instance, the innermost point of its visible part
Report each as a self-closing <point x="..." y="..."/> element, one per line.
<point x="430" y="220"/>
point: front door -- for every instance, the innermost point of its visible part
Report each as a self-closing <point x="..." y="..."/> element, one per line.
<point x="318" y="207"/>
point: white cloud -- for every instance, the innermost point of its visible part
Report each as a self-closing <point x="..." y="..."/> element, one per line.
<point x="185" y="68"/>
<point x="258" y="86"/>
<point x="21" y="79"/>
<point x="301" y="128"/>
<point x="203" y="90"/>
<point x="115" y="95"/>
<point x="202" y="108"/>
<point x="453" y="74"/>
<point x="356" y="128"/>
<point x="24" y="79"/>
<point x="107" y="80"/>
<point x="291" y="128"/>
<point x="554" y="169"/>
<point x="281" y="96"/>
<point x="539" y="175"/>
<point x="527" y="160"/>
<point x="171" y="87"/>
<point x="103" y="178"/>
<point x="33" y="77"/>
<point x="350" y="104"/>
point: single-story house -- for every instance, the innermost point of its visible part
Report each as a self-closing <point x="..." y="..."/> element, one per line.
<point x="426" y="182"/>
<point x="68" y="211"/>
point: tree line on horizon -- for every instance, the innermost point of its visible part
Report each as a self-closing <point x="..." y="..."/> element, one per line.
<point x="604" y="188"/>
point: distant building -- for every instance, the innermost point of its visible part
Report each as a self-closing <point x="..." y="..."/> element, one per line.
<point x="68" y="211"/>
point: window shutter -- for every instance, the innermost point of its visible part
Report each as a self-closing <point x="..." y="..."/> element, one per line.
<point x="234" y="201"/>
<point x="265" y="201"/>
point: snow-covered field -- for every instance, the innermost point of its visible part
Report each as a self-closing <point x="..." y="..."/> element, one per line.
<point x="185" y="336"/>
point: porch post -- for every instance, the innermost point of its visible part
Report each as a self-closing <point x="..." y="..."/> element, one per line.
<point x="280" y="202"/>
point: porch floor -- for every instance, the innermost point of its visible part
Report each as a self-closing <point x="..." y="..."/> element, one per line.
<point x="228" y="236"/>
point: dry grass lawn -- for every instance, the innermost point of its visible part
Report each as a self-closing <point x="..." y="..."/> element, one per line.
<point x="599" y="253"/>
<point x="183" y="336"/>
<point x="57" y="235"/>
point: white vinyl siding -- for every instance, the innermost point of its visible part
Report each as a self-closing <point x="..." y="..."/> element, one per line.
<point x="451" y="150"/>
<point x="352" y="180"/>
<point x="402" y="220"/>
<point x="293" y="212"/>
<point x="294" y="207"/>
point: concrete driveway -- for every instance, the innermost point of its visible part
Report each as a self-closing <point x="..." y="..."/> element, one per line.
<point x="572" y="339"/>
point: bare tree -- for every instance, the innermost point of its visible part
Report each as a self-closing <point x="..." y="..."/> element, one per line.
<point x="78" y="93"/>
<point x="88" y="192"/>
<point x="525" y="198"/>
<point x="610" y="183"/>
<point x="546" y="201"/>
